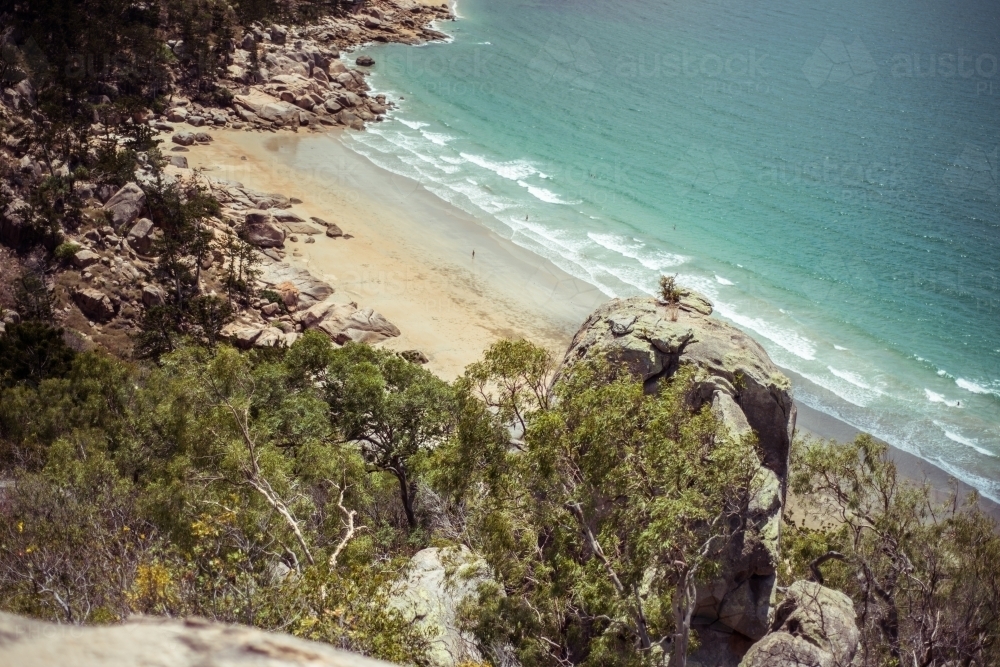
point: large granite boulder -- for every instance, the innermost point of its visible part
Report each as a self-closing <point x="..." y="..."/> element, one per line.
<point x="814" y="626"/>
<point x="140" y="237"/>
<point x="193" y="642"/>
<point x="345" y="322"/>
<point x="95" y="304"/>
<point x="748" y="394"/>
<point x="268" y="108"/>
<point x="437" y="582"/>
<point x="260" y="230"/>
<point x="125" y="205"/>
<point x="307" y="289"/>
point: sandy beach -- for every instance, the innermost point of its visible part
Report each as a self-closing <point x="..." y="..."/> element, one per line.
<point x="411" y="254"/>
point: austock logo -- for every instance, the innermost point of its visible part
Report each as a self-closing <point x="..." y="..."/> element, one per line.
<point x="711" y="170"/>
<point x="834" y="62"/>
<point x="562" y="62"/>
<point x="975" y="170"/>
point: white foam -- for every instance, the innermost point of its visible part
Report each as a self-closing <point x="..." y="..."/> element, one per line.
<point x="514" y="170"/>
<point x="437" y="138"/>
<point x="653" y="260"/>
<point x="413" y="124"/>
<point x="840" y="347"/>
<point x="722" y="281"/>
<point x="544" y="195"/>
<point x="962" y="440"/>
<point x="853" y="378"/>
<point x="987" y="487"/>
<point x="844" y="392"/>
<point x="968" y="385"/>
<point x="935" y="397"/>
<point x="787" y="339"/>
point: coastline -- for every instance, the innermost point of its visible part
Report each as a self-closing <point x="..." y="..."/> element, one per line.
<point x="410" y="253"/>
<point x="410" y="258"/>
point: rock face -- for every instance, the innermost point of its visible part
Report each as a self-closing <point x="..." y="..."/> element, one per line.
<point x="813" y="626"/>
<point x="155" y="641"/>
<point x="94" y="304"/>
<point x="748" y="393"/>
<point x="125" y="205"/>
<point x="437" y="582"/>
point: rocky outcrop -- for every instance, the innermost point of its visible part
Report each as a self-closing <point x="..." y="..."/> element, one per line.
<point x="308" y="289"/>
<point x="748" y="394"/>
<point x="438" y="581"/>
<point x="125" y="205"/>
<point x="260" y="230"/>
<point x="345" y="322"/>
<point x="192" y="642"/>
<point x="95" y="304"/>
<point x="813" y="626"/>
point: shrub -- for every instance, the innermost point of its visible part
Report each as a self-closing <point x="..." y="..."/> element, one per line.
<point x="64" y="252"/>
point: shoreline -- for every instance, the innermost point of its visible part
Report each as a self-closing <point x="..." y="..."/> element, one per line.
<point x="410" y="253"/>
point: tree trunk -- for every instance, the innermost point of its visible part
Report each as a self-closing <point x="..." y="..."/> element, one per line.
<point x="684" y="603"/>
<point x="406" y="496"/>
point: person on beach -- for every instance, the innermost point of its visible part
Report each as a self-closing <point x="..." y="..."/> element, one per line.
<point x="473" y="254"/>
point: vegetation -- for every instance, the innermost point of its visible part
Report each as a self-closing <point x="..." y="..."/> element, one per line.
<point x="600" y="524"/>
<point x="924" y="575"/>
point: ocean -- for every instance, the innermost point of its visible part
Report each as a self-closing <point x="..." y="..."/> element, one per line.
<point x="827" y="173"/>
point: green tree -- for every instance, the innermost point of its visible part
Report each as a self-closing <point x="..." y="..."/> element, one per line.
<point x="31" y="352"/>
<point x="924" y="576"/>
<point x="601" y="524"/>
<point x="395" y="410"/>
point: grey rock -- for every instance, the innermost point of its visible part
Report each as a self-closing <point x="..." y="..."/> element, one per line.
<point x="287" y="216"/>
<point x="126" y="204"/>
<point x="302" y="228"/>
<point x="437" y="582"/>
<point x="813" y="626"/>
<point x="196" y="121"/>
<point x="179" y="161"/>
<point x="144" y="640"/>
<point x="279" y="35"/>
<point x="261" y="230"/>
<point x="183" y="138"/>
<point x="140" y="237"/>
<point x="351" y="120"/>
<point x="414" y="356"/>
<point x="153" y="296"/>
<point x="270" y="337"/>
<point x="748" y="393"/>
<point x="85" y="258"/>
<point x="349" y="99"/>
<point x="203" y="137"/>
<point x="367" y="61"/>
<point x="347" y="322"/>
<point x="94" y="304"/>
<point x="286" y="279"/>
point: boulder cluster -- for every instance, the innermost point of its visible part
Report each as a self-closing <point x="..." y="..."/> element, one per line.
<point x="291" y="77"/>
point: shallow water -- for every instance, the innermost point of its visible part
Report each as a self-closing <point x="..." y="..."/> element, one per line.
<point x="827" y="174"/>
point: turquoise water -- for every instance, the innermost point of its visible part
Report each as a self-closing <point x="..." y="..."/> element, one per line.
<point x="826" y="174"/>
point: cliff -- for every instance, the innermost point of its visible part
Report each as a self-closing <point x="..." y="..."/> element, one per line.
<point x="750" y="396"/>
